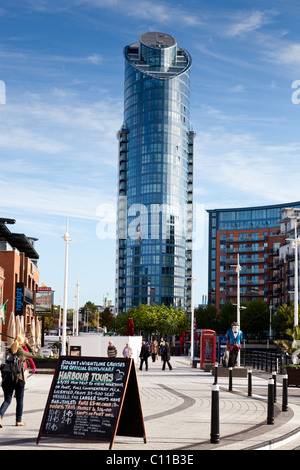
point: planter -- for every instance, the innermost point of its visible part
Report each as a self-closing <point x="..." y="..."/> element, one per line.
<point x="293" y="374"/>
<point x="45" y="363"/>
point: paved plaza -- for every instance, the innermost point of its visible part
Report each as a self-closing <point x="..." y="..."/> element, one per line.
<point x="177" y="414"/>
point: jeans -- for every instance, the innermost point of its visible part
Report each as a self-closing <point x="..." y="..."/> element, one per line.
<point x="8" y="394"/>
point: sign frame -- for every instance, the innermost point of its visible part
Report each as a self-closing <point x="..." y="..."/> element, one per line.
<point x="128" y="421"/>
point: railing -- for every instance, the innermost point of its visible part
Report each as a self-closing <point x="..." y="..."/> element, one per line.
<point x="263" y="360"/>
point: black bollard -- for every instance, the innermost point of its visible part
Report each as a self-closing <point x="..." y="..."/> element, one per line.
<point x="215" y="420"/>
<point x="285" y="392"/>
<point x="274" y="375"/>
<point x="230" y="378"/>
<point x="216" y="373"/>
<point x="249" y="383"/>
<point x="270" y="418"/>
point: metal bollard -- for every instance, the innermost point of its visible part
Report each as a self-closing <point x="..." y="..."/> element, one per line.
<point x="285" y="392"/>
<point x="216" y="373"/>
<point x="249" y="383"/>
<point x="215" y="419"/>
<point x="230" y="379"/>
<point x="274" y="375"/>
<point x="270" y="418"/>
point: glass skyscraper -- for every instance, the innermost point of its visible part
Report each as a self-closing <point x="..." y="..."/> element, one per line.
<point x="154" y="224"/>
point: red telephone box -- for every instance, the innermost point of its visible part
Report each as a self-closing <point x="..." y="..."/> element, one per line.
<point x="207" y="347"/>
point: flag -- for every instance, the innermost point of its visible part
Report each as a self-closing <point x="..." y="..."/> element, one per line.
<point x="3" y="312"/>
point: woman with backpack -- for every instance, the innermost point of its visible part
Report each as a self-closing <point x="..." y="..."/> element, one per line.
<point x="13" y="378"/>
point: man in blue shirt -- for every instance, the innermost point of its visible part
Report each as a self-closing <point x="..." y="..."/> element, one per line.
<point x="234" y="337"/>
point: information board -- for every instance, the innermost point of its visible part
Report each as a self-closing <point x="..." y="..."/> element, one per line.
<point x="93" y="398"/>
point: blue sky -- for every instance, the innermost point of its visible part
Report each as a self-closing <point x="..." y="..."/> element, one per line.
<point x="62" y="64"/>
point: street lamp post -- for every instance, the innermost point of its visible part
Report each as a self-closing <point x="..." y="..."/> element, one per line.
<point x="192" y="321"/>
<point x="77" y="307"/>
<point x="238" y="303"/>
<point x="238" y="270"/>
<point x="67" y="239"/>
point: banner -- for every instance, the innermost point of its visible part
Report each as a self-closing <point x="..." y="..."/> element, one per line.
<point x="3" y="312"/>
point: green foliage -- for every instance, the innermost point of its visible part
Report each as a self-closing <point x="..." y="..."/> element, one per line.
<point x="107" y="319"/>
<point x="287" y="346"/>
<point x="153" y="319"/>
<point x="206" y="317"/>
<point x="90" y="311"/>
<point x="255" y="318"/>
<point x="284" y="318"/>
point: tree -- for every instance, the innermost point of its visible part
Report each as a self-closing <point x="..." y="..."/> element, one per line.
<point x="107" y="319"/>
<point x="283" y="319"/>
<point x="227" y="315"/>
<point x="255" y="318"/>
<point x="89" y="311"/>
<point x="206" y="317"/>
<point x="153" y="319"/>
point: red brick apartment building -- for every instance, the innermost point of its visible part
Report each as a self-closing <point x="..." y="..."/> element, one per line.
<point x="257" y="236"/>
<point x="258" y="251"/>
<point x="19" y="275"/>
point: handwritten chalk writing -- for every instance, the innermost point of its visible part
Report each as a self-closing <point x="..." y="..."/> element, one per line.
<point x="86" y="398"/>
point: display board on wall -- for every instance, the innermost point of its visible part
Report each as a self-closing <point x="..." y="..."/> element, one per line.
<point x="95" y="399"/>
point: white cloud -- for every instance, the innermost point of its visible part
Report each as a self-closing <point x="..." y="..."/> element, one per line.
<point x="94" y="59"/>
<point x="165" y="13"/>
<point x="240" y="167"/>
<point x="49" y="197"/>
<point x="246" y="23"/>
<point x="288" y="55"/>
<point x="237" y="89"/>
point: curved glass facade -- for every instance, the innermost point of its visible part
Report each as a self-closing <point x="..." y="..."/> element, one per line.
<point x="154" y="253"/>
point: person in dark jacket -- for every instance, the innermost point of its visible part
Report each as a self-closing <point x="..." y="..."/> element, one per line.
<point x="9" y="387"/>
<point x="144" y="354"/>
<point x="111" y="350"/>
<point x="165" y="356"/>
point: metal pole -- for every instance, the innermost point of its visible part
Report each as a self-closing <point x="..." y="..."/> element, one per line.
<point x="249" y="383"/>
<point x="238" y="269"/>
<point x="216" y="373"/>
<point x="77" y="307"/>
<point x="67" y="239"/>
<point x="215" y="419"/>
<point x="296" y="277"/>
<point x="59" y="321"/>
<point x="192" y="322"/>
<point x="285" y="392"/>
<point x="274" y="374"/>
<point x="270" y="417"/>
<point x="230" y="379"/>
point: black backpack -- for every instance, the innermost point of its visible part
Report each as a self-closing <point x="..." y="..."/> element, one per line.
<point x="11" y="369"/>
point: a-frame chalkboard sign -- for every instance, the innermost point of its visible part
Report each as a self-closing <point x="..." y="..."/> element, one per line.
<point x="93" y="398"/>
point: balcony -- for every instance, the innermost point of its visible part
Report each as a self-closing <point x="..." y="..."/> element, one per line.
<point x="247" y="260"/>
<point x="246" y="250"/>
<point x="246" y="239"/>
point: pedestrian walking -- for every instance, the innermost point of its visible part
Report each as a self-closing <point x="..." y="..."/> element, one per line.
<point x="127" y="351"/>
<point x="144" y="354"/>
<point x="154" y="350"/>
<point x="12" y="382"/>
<point x="165" y="356"/>
<point x="111" y="350"/>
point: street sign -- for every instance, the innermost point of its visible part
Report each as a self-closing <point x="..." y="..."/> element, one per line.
<point x="95" y="399"/>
